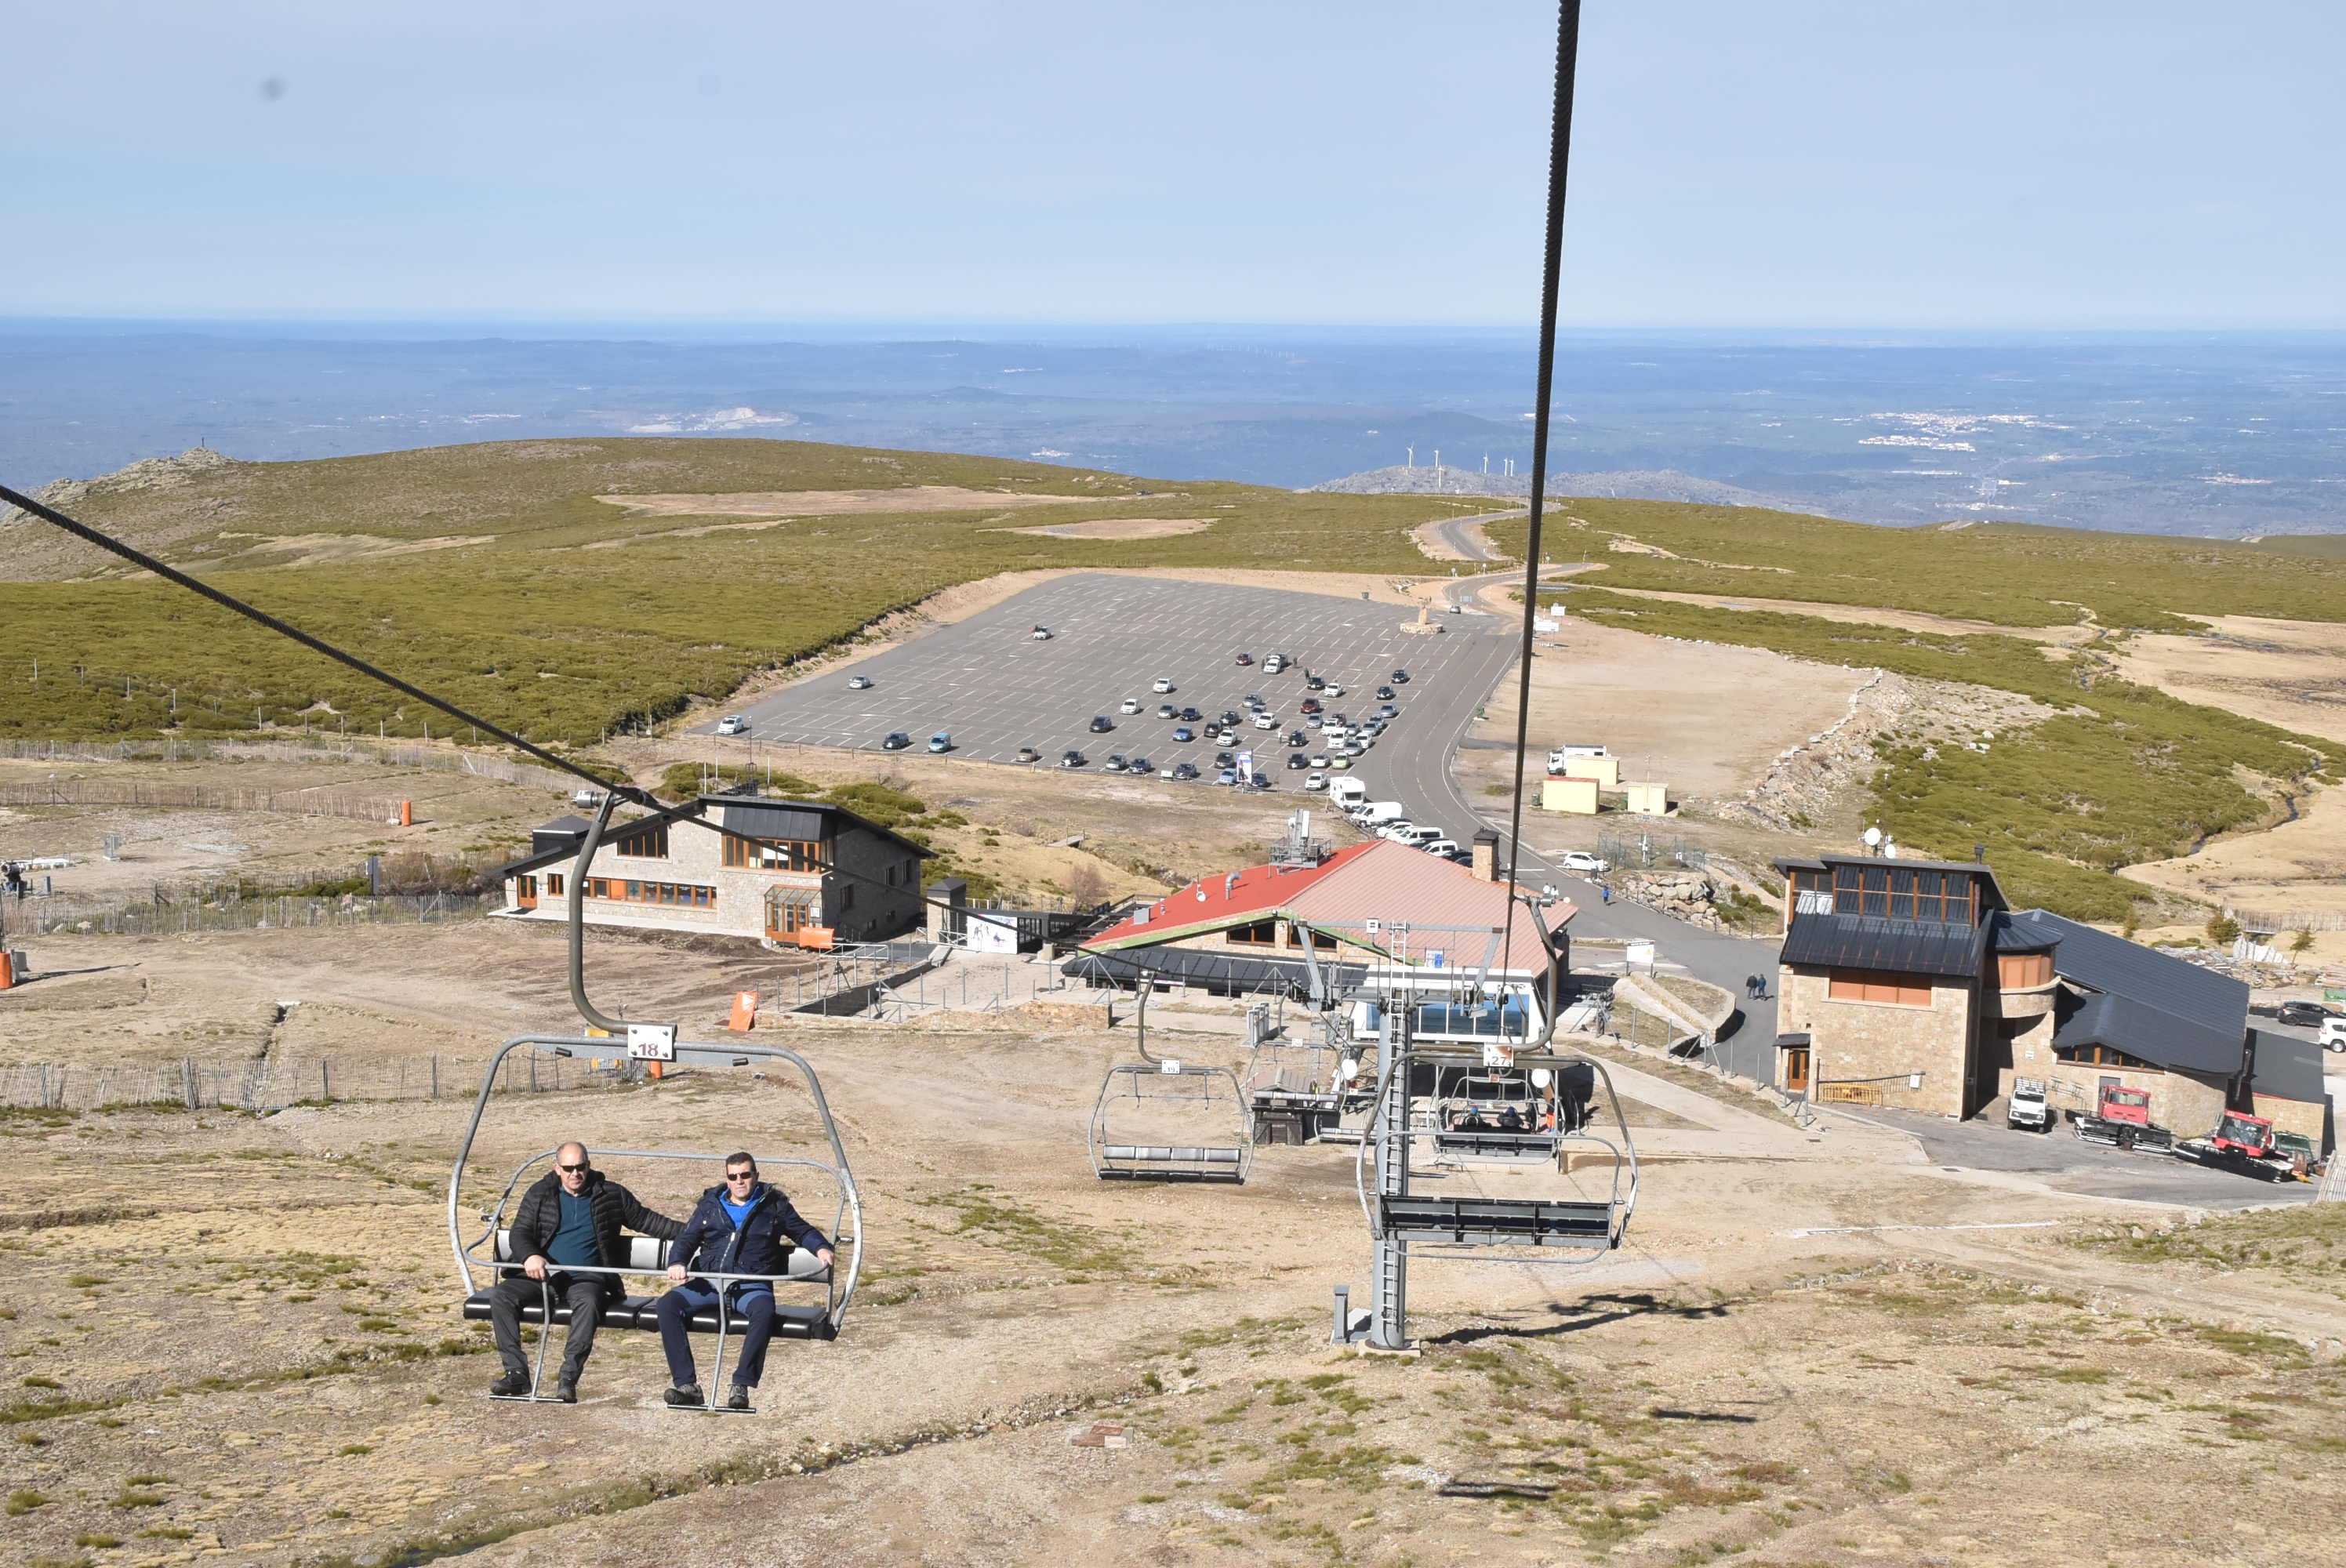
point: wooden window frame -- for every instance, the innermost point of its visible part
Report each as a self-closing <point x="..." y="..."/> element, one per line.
<point x="2105" y="1056"/>
<point x="1877" y="988"/>
<point x="1321" y="940"/>
<point x="1243" y="935"/>
<point x="642" y="843"/>
<point x="2011" y="976"/>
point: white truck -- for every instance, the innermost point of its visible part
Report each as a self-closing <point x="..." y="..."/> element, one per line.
<point x="1376" y="813"/>
<point x="1564" y="754"/>
<point x="1346" y="793"/>
<point x="2027" y="1108"/>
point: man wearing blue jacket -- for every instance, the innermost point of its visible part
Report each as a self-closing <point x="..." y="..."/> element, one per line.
<point x="743" y="1226"/>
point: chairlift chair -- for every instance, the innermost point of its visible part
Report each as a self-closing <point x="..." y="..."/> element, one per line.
<point x="1133" y="1092"/>
<point x="1498" y="1116"/>
<point x="487" y="1257"/>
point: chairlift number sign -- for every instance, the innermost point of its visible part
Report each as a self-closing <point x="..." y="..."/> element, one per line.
<point x="1497" y="1055"/>
<point x="651" y="1042"/>
<point x="1167" y="1066"/>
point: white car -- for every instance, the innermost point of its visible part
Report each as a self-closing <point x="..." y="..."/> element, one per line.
<point x="1445" y="848"/>
<point x="858" y="683"/>
<point x="1315" y="782"/>
<point x="1129" y="705"/>
<point x="1582" y="861"/>
<point x="2333" y="1034"/>
<point x="1399" y="828"/>
<point x="1266" y="722"/>
<point x="1160" y="686"/>
<point x="1040" y="633"/>
<point x="1333" y="690"/>
<point x="733" y="724"/>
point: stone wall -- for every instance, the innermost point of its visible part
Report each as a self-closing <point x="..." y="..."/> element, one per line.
<point x="2187" y="1106"/>
<point x="1880" y="1044"/>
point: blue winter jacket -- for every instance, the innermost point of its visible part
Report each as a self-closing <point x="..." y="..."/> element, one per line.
<point x="709" y="1244"/>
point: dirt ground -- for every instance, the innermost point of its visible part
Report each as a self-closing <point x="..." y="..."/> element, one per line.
<point x="238" y="1338"/>
<point x="458" y="817"/>
<point x="1119" y="528"/>
<point x="2290" y="673"/>
<point x="1708" y="721"/>
<point x="2296" y="866"/>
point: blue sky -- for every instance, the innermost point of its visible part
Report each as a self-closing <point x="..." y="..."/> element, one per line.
<point x="2080" y="163"/>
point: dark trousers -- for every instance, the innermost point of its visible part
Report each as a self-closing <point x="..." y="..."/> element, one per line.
<point x="584" y="1293"/>
<point x="753" y="1302"/>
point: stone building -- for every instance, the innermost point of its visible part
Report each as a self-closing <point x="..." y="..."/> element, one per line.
<point x="806" y="874"/>
<point x="1913" y="983"/>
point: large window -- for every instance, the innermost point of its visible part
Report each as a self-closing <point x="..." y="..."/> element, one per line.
<point x="619" y="890"/>
<point x="1876" y="985"/>
<point x="644" y="843"/>
<point x="1321" y="940"/>
<point x="2105" y="1056"/>
<point x="773" y="854"/>
<point x="2022" y="971"/>
<point x="1262" y="933"/>
<point x="1902" y="892"/>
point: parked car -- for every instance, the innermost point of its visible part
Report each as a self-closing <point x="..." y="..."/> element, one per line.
<point x="1333" y="688"/>
<point x="1319" y="759"/>
<point x="1385" y="692"/>
<point x="1182" y="771"/>
<point x="1230" y="718"/>
<point x="2333" y="1034"/>
<point x="1297" y="762"/>
<point x="1314" y="683"/>
<point x="1275" y="663"/>
<point x="1140" y="767"/>
<point x="1227" y="776"/>
<point x="1191" y="716"/>
<point x="2305" y="1014"/>
<point x="1314" y="721"/>
<point x="1246" y="658"/>
<point x="1266" y="722"/>
<point x="1311" y="705"/>
<point x="1224" y="758"/>
<point x="1029" y="754"/>
<point x="1315" y="781"/>
<point x="1259" y="781"/>
<point x="1339" y="763"/>
<point x="858" y="683"/>
<point x="1297" y="737"/>
<point x="941" y="741"/>
<point x="1160" y="686"/>
<point x="1388" y="710"/>
<point x="1166" y="710"/>
<point x="896" y="741"/>
<point x="1582" y="861"/>
<point x="1102" y="724"/>
<point x="1185" y="733"/>
<point x="1445" y="848"/>
<point x="733" y="724"/>
<point x="1400" y="677"/>
<point x="1040" y="633"/>
<point x="1115" y="761"/>
<point x="1072" y="759"/>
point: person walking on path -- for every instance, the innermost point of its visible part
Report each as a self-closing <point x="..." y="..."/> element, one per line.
<point x="742" y="1226"/>
<point x="571" y="1217"/>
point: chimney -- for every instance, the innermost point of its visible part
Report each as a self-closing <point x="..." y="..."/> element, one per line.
<point x="1486" y="855"/>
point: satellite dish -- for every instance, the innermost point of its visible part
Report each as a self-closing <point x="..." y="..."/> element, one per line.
<point x="1349" y="1068"/>
<point x="1872" y="836"/>
<point x="1541" y="1077"/>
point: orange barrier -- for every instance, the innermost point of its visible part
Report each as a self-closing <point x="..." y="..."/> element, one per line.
<point x="745" y="1010"/>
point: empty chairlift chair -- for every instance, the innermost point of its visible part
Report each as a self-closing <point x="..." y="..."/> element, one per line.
<point x="486" y="1256"/>
<point x="1168" y="1122"/>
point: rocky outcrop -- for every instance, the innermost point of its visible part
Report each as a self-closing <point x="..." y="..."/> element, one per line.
<point x="146" y="474"/>
<point x="1681" y="895"/>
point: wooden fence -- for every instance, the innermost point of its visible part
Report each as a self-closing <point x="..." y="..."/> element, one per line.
<point x="322" y="802"/>
<point x="273" y="1084"/>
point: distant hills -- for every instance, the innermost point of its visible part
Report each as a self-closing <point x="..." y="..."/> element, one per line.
<point x="1621" y="484"/>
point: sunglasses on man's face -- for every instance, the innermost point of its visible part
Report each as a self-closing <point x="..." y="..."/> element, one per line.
<point x="740" y="1175"/>
<point x="572" y="1170"/>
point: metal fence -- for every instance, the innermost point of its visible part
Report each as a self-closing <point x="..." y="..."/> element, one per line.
<point x="1646" y="850"/>
<point x="31" y="920"/>
<point x="273" y="1084"/>
<point x="288" y="750"/>
<point x="322" y="802"/>
<point x="2304" y="920"/>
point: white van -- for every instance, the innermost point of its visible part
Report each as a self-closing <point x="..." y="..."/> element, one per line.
<point x="1347" y="793"/>
<point x="1416" y="835"/>
<point x="1376" y="813"/>
<point x="1445" y="848"/>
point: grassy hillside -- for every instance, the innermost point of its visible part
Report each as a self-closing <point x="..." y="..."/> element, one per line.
<point x="569" y="618"/>
<point x="2009" y="574"/>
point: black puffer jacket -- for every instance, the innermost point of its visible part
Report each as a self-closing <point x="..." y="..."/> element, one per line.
<point x="539" y="1216"/>
<point x="762" y="1245"/>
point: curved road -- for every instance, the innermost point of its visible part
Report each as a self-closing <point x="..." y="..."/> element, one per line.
<point x="1412" y="766"/>
<point x="1452" y="532"/>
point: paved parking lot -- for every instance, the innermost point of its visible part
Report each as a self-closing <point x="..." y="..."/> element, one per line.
<point x="996" y="689"/>
<point x="2067" y="1163"/>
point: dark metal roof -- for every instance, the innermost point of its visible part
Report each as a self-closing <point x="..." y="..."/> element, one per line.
<point x="2286" y="1067"/>
<point x="1872" y="942"/>
<point x="799" y="819"/>
<point x="2135" y="1027"/>
<point x="2205" y="1015"/>
<point x="563" y="825"/>
<point x="2006" y="936"/>
<point x="1201" y="966"/>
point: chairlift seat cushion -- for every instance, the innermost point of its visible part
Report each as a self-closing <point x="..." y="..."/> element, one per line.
<point x="1500" y="1222"/>
<point x="1172" y="1154"/>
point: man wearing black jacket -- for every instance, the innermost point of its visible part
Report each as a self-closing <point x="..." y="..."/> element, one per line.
<point x="570" y="1218"/>
<point x="743" y="1226"/>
